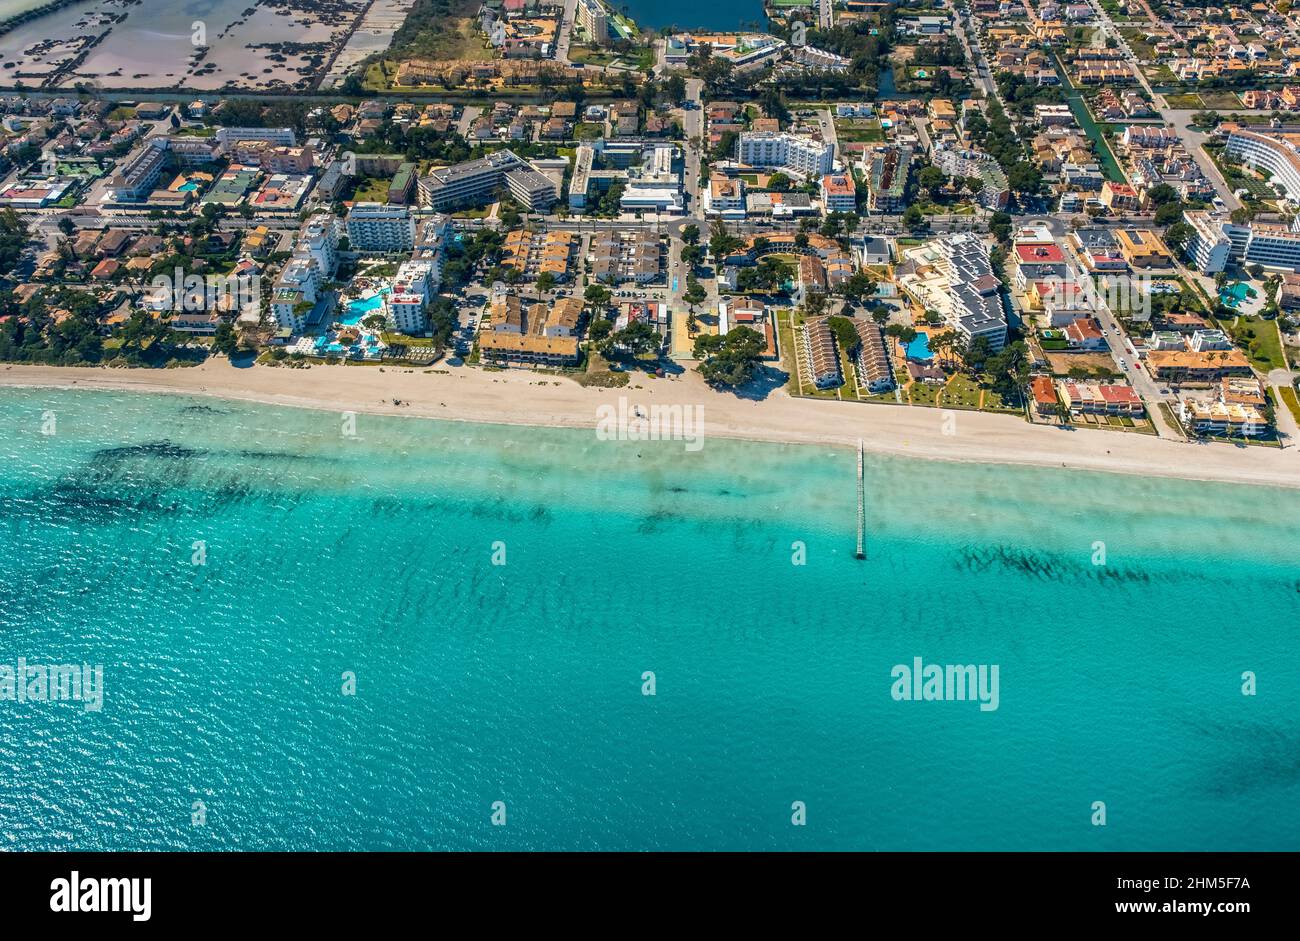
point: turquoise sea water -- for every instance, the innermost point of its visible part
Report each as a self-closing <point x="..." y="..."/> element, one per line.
<point x="728" y="15"/>
<point x="522" y="682"/>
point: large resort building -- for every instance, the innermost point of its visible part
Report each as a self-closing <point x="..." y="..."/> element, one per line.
<point x="530" y="333"/>
<point x="376" y="227"/>
<point x="805" y="156"/>
<point x="965" y="164"/>
<point x="975" y="306"/>
<point x="593" y="20"/>
<point x="297" y="292"/>
<point x="1217" y="242"/>
<point x="1275" y="153"/>
<point x="533" y="254"/>
<point x="632" y="255"/>
<point x="476" y="182"/>
<point x="138" y="174"/>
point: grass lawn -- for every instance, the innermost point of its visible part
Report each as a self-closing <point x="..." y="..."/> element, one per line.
<point x="640" y="58"/>
<point x="1222" y="100"/>
<point x="1265" y="350"/>
<point x="1185" y="102"/>
<point x="372" y="189"/>
<point x="850" y="387"/>
<point x="455" y="37"/>
<point x="859" y="131"/>
<point x="785" y="336"/>
<point x="923" y="393"/>
<point x="1287" y="393"/>
<point x="401" y="339"/>
<point x="961" y="392"/>
<point x="1137" y="42"/>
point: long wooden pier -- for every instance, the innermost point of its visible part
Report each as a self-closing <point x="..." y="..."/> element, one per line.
<point x="862" y="508"/>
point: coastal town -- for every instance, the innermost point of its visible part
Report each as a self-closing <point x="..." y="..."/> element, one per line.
<point x="1074" y="215"/>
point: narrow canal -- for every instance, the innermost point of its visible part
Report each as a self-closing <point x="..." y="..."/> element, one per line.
<point x="1105" y="156"/>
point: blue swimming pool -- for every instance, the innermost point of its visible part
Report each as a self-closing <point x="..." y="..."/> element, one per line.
<point x="355" y="310"/>
<point x="919" y="349"/>
<point x="1233" y="294"/>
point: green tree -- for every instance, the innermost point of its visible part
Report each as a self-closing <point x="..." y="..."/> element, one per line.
<point x="846" y="334"/>
<point x="729" y="360"/>
<point x="932" y="180"/>
<point x="695" y="293"/>
<point x="225" y="341"/>
<point x="638" y="338"/>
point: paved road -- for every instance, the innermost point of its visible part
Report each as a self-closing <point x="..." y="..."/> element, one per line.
<point x="567" y="23"/>
<point x="1194" y="141"/>
<point x="1125" y="356"/>
<point x="467" y="117"/>
<point x="970" y="42"/>
<point x="1285" y="421"/>
<point x="827" y="122"/>
<point x="693" y="128"/>
<point x="1109" y="28"/>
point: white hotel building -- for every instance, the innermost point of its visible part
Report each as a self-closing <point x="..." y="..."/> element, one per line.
<point x="1217" y="242"/>
<point x="377" y="227"/>
<point x="405" y="306"/>
<point x="279" y="136"/>
<point x="315" y="259"/>
<point x="1277" y="155"/>
<point x="778" y="150"/>
<point x="295" y="293"/>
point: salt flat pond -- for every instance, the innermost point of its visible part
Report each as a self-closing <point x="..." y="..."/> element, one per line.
<point x="199" y="44"/>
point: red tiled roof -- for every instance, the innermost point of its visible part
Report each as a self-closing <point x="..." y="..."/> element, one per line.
<point x="1040" y="253"/>
<point x="1043" y="390"/>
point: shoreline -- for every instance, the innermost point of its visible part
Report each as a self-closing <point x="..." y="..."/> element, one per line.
<point x="517" y="397"/>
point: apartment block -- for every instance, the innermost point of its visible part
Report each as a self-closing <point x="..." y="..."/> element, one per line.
<point x="377" y="227"/>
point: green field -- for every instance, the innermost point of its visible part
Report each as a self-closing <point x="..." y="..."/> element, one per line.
<point x="1185" y="102"/>
<point x="1265" y="349"/>
<point x="371" y="189"/>
<point x="641" y="58"/>
<point x="1292" y="402"/>
<point x="859" y="131"/>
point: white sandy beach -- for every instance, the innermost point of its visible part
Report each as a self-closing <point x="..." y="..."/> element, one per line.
<point x="520" y="397"/>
